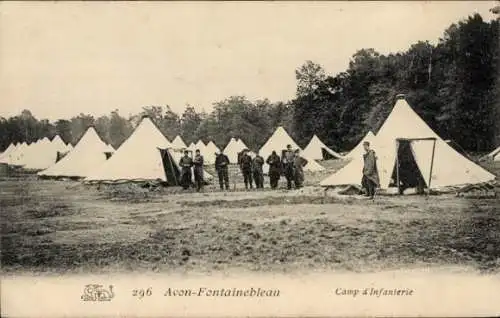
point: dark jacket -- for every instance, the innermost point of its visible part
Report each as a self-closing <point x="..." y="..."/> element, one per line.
<point x="274" y="162"/>
<point x="288" y="158"/>
<point x="257" y="164"/>
<point x="221" y="161"/>
<point x="198" y="164"/>
<point x="370" y="167"/>
<point x="246" y="162"/>
<point x="298" y="165"/>
<point x="186" y="163"/>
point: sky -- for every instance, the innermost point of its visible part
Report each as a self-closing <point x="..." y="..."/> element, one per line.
<point x="59" y="59"/>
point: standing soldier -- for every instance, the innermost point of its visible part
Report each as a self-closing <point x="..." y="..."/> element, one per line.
<point x="298" y="165"/>
<point x="258" y="174"/>
<point x="288" y="161"/>
<point x="370" y="179"/>
<point x="186" y="163"/>
<point x="198" y="170"/>
<point x="274" y="162"/>
<point x="246" y="169"/>
<point x="221" y="165"/>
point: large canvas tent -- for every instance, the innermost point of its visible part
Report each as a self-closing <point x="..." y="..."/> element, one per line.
<point x="278" y="142"/>
<point x="410" y="153"/>
<point x="45" y="153"/>
<point x="317" y="150"/>
<point x="233" y="148"/>
<point x="178" y="143"/>
<point x="138" y="159"/>
<point x="89" y="152"/>
<point x="5" y="156"/>
<point x="16" y="155"/>
<point x="209" y="152"/>
<point x="200" y="145"/>
<point x="41" y="155"/>
<point x="358" y="151"/>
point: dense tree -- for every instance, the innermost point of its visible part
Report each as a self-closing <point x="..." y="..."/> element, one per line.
<point x="453" y="85"/>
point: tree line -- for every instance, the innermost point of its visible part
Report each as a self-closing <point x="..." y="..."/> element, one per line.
<point x="453" y="85"/>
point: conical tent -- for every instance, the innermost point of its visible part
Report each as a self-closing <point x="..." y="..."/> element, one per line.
<point x="358" y="151"/>
<point x="178" y="143"/>
<point x="192" y="147"/>
<point x="34" y="154"/>
<point x="44" y="154"/>
<point x="317" y="150"/>
<point x="435" y="163"/>
<point x="200" y="145"/>
<point x="232" y="149"/>
<point x="17" y="153"/>
<point x="209" y="152"/>
<point x="4" y="157"/>
<point x="278" y="142"/>
<point x="137" y="159"/>
<point x="89" y="152"/>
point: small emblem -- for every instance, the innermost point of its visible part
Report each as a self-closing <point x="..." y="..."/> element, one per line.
<point x="96" y="292"/>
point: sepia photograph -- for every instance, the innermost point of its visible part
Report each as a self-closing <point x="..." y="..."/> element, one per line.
<point x="224" y="158"/>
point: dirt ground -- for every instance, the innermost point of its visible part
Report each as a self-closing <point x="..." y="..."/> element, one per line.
<point x="67" y="226"/>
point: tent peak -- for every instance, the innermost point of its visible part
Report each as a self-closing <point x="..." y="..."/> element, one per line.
<point x="400" y="96"/>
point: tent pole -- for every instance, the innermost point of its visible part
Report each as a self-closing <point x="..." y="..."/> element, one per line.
<point x="432" y="164"/>
<point x="397" y="165"/>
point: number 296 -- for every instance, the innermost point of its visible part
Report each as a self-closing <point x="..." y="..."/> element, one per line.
<point x="141" y="293"/>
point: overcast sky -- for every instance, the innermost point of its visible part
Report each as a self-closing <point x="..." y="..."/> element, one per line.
<point x="60" y="59"/>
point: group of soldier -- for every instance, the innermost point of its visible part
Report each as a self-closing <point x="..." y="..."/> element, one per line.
<point x="290" y="164"/>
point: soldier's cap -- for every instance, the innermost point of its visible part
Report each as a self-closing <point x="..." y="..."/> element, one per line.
<point x="366" y="143"/>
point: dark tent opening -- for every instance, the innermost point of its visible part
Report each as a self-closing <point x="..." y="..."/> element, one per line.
<point x="406" y="171"/>
<point x="327" y="155"/>
<point x="61" y="155"/>
<point x="172" y="171"/>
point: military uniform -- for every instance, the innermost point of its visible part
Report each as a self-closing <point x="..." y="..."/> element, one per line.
<point x="198" y="171"/>
<point x="288" y="167"/>
<point x="274" y="162"/>
<point x="258" y="173"/>
<point x="370" y="179"/>
<point x="186" y="163"/>
<point x="298" y="165"/>
<point x="221" y="165"/>
<point x="246" y="169"/>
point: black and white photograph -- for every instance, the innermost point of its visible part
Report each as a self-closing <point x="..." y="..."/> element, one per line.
<point x="199" y="140"/>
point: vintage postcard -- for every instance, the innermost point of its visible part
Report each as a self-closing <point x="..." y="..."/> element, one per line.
<point x="249" y="159"/>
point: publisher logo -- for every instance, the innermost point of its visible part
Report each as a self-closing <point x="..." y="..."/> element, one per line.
<point x="96" y="292"/>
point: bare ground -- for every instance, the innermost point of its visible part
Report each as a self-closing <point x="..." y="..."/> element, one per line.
<point x="65" y="226"/>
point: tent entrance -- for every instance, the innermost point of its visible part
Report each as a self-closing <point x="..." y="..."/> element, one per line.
<point x="408" y="171"/>
<point x="172" y="171"/>
<point x="326" y="154"/>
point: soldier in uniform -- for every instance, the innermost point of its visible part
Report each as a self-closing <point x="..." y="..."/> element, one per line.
<point x="298" y="165"/>
<point x="274" y="162"/>
<point x="246" y="169"/>
<point x="186" y="163"/>
<point x="370" y="179"/>
<point x="198" y="170"/>
<point x="221" y="165"/>
<point x="288" y="166"/>
<point x="258" y="173"/>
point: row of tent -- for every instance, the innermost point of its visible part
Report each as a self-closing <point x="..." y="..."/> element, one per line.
<point x="37" y="155"/>
<point x="405" y="146"/>
<point x="148" y="155"/>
